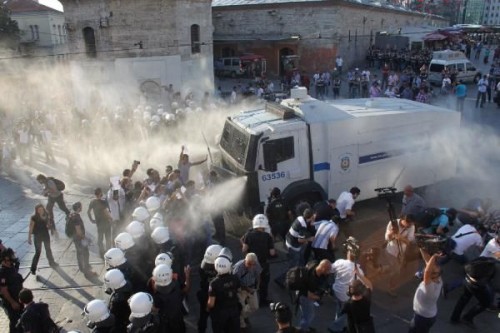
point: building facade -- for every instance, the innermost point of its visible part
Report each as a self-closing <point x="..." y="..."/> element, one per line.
<point x="314" y="30"/>
<point x="473" y="12"/>
<point x="145" y="45"/>
<point x="491" y="13"/>
<point x="42" y="28"/>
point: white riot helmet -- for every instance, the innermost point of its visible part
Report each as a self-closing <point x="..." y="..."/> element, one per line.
<point x="160" y="235"/>
<point x="155" y="223"/>
<point x="158" y="215"/>
<point x="136" y="229"/>
<point x="226" y="253"/>
<point x="96" y="311"/>
<point x="140" y="304"/>
<point x="124" y="241"/>
<point x="140" y="214"/>
<point x="162" y="275"/>
<point x="153" y="204"/>
<point x="211" y="253"/>
<point x="164" y="259"/>
<point x="222" y="265"/>
<point x="114" y="257"/>
<point x="260" y="221"/>
<point x="114" y="279"/>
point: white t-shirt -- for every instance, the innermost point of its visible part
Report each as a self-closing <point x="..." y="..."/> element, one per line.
<point x="490" y="249"/>
<point x="466" y="241"/>
<point x="344" y="275"/>
<point x="339" y="62"/>
<point x="392" y="246"/>
<point x="344" y="202"/>
<point x="425" y="300"/>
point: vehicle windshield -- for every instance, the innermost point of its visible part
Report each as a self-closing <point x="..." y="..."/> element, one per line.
<point x="240" y="145"/>
<point x="436" y="68"/>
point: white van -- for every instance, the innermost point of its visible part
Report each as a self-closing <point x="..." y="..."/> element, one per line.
<point x="448" y="59"/>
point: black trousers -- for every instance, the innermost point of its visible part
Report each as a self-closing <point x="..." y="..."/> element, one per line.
<point x="202" y="296"/>
<point x="226" y="320"/>
<point x="103" y="231"/>
<point x="13" y="318"/>
<point x="38" y="241"/>
<point x="265" y="276"/>
<point x="482" y="293"/>
<point x="60" y="203"/>
<point x="220" y="229"/>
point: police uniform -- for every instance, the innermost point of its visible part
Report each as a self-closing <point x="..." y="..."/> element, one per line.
<point x="207" y="274"/>
<point x="106" y="326"/>
<point x="277" y="213"/>
<point x="118" y="306"/>
<point x="168" y="301"/>
<point x="260" y="243"/>
<point x="13" y="281"/>
<point x="225" y="314"/>
<point x="138" y="268"/>
<point x="147" y="324"/>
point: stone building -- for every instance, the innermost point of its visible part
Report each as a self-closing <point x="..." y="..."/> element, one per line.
<point x="314" y="30"/>
<point x="42" y="28"/>
<point x="144" y="45"/>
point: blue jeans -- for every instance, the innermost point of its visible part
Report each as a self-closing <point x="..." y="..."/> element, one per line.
<point x="340" y="321"/>
<point x="421" y="324"/>
<point x="306" y="312"/>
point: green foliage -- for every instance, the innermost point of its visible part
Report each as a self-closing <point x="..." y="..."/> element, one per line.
<point x="9" y="31"/>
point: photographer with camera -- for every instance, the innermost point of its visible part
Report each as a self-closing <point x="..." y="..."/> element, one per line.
<point x="311" y="294"/>
<point x="397" y="238"/>
<point x="283" y="316"/>
<point x="345" y="271"/>
<point x="358" y="306"/>
<point x="426" y="295"/>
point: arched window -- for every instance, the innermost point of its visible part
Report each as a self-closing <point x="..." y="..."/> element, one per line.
<point x="89" y="39"/>
<point x="32" y="28"/>
<point x="195" y="38"/>
<point x="37" y="36"/>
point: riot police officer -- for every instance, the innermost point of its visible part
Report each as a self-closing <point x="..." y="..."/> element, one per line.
<point x="115" y="259"/>
<point x="121" y="290"/>
<point x="164" y="244"/>
<point x="223" y="301"/>
<point x="138" y="276"/>
<point x="167" y="300"/>
<point x="142" y="320"/>
<point x="277" y="213"/>
<point x="11" y="283"/>
<point x="207" y="274"/>
<point x="258" y="241"/>
<point x="100" y="320"/>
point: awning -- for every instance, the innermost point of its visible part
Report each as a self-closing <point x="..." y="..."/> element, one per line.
<point x="434" y="37"/>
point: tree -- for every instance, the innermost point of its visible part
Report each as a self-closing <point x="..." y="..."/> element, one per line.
<point x="9" y="31"/>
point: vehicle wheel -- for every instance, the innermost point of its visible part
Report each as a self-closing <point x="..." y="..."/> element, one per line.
<point x="311" y="198"/>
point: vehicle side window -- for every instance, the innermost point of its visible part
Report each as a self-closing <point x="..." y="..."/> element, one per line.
<point x="227" y="62"/>
<point x="470" y="67"/>
<point x="276" y="151"/>
<point x="437" y="68"/>
<point x="461" y="67"/>
<point x="236" y="62"/>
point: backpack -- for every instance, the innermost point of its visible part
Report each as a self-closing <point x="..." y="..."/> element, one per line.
<point x="424" y="219"/>
<point x="481" y="269"/>
<point x="297" y="277"/>
<point x="69" y="228"/>
<point x="59" y="183"/>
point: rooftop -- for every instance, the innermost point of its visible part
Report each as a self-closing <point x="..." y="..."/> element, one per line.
<point x="23" y="6"/>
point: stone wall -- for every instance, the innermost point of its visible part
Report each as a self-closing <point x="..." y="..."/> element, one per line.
<point x="319" y="30"/>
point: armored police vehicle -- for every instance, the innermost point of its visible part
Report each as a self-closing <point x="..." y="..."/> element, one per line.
<point x="314" y="150"/>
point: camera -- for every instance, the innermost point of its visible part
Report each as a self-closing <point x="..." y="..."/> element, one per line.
<point x="274" y="307"/>
<point x="137" y="162"/>
<point x="433" y="244"/>
<point x="352" y="245"/>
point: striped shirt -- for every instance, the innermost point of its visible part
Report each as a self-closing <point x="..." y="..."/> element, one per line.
<point x="325" y="231"/>
<point x="248" y="276"/>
